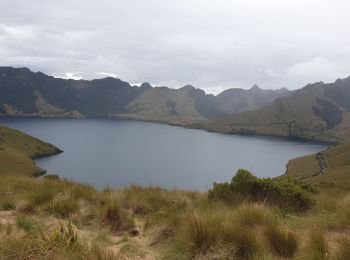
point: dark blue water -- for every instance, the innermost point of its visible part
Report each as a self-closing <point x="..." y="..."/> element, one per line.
<point x="117" y="153"/>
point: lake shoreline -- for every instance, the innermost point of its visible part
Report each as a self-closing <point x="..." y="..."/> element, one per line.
<point x="190" y="125"/>
<point x="114" y="152"/>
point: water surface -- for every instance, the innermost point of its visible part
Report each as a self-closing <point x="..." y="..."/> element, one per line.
<point x="117" y="153"/>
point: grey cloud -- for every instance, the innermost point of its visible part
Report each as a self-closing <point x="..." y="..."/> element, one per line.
<point x="213" y="45"/>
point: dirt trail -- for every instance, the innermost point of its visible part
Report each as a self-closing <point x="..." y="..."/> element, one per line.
<point x="322" y="163"/>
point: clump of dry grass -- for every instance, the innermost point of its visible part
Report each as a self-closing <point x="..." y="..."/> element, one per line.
<point x="317" y="246"/>
<point x="343" y="250"/>
<point x="64" y="208"/>
<point x="115" y="218"/>
<point x="283" y="242"/>
<point x="201" y="234"/>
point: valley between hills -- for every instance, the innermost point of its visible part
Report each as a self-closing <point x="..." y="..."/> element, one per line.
<point x="303" y="214"/>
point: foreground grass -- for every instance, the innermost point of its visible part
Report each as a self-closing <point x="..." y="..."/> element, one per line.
<point x="57" y="219"/>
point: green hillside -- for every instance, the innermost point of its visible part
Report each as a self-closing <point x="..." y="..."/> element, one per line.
<point x="162" y="102"/>
<point x="17" y="151"/>
<point x="317" y="112"/>
<point x="330" y="167"/>
<point x="25" y="93"/>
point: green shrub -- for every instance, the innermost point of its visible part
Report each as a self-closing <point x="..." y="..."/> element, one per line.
<point x="284" y="193"/>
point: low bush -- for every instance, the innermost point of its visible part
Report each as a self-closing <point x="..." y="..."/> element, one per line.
<point x="284" y="193"/>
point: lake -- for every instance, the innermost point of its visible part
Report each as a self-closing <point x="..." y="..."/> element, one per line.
<point x="117" y="153"/>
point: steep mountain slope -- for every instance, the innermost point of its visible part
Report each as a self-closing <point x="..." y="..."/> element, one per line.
<point x="330" y="166"/>
<point x="17" y="151"/>
<point x="238" y="100"/>
<point x="161" y="101"/>
<point x="318" y="112"/>
<point x="25" y="93"/>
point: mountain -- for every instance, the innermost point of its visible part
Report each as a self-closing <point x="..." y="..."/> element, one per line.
<point x="25" y="93"/>
<point x="318" y="111"/>
<point x="17" y="151"/>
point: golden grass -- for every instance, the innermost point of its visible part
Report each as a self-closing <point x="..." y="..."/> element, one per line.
<point x="176" y="224"/>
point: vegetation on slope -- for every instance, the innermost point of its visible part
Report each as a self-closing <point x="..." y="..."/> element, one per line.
<point x="331" y="166"/>
<point x="17" y="151"/>
<point x="317" y="112"/>
<point x="50" y="218"/>
<point x="248" y="218"/>
<point x="25" y="93"/>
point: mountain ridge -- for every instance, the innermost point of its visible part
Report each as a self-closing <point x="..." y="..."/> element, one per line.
<point x="319" y="111"/>
<point x="27" y="93"/>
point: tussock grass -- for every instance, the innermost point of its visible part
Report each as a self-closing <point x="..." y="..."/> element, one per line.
<point x="283" y="242"/>
<point x="115" y="218"/>
<point x="130" y="250"/>
<point x="246" y="245"/>
<point x="254" y="214"/>
<point x="25" y="223"/>
<point x="177" y="224"/>
<point x="343" y="251"/>
<point x="200" y="234"/>
<point x="64" y="208"/>
<point x="317" y="246"/>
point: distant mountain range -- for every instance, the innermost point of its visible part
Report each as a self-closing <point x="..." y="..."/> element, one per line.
<point x="318" y="111"/>
<point x="25" y="93"/>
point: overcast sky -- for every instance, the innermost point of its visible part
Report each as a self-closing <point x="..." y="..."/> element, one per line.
<point x="211" y="44"/>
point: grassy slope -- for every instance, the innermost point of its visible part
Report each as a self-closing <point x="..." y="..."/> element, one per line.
<point x="17" y="151"/>
<point x="157" y="103"/>
<point x="337" y="161"/>
<point x="52" y="219"/>
<point x="291" y="116"/>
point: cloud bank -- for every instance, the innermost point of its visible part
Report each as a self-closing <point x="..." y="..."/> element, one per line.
<point x="210" y="44"/>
